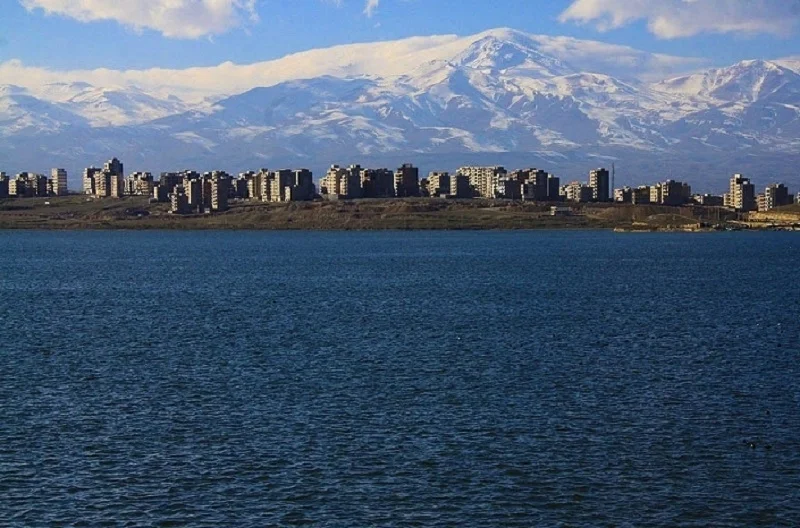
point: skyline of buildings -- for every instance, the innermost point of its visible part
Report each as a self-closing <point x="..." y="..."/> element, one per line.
<point x="190" y="192"/>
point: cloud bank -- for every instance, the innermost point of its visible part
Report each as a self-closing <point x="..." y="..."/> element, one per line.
<point x="384" y="59"/>
<point x="183" y="19"/>
<point x="670" y="19"/>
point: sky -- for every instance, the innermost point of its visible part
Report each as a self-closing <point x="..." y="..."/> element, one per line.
<point x="178" y="34"/>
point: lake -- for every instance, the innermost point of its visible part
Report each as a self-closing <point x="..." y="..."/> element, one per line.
<point x="399" y="379"/>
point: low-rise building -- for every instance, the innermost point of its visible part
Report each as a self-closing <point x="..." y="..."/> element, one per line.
<point x="560" y="210"/>
<point x="708" y="200"/>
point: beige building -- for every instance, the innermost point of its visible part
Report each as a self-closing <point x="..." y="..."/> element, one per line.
<point x="741" y="194"/>
<point x="89" y="183"/>
<point x="483" y="180"/>
<point x="344" y="183"/>
<point x="578" y="192"/>
<point x="438" y="183"/>
<point x="59" y="177"/>
<point x="220" y="186"/>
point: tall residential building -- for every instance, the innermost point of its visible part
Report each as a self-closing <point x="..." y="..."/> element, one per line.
<point x="599" y="181"/>
<point x="377" y="183"/>
<point x="342" y="183"/>
<point x="59" y="177"/>
<point x="578" y="192"/>
<point x="220" y="185"/>
<point x="439" y="184"/>
<point x="302" y="185"/>
<point x="89" y="183"/>
<point x="16" y="186"/>
<point x="102" y="184"/>
<point x="139" y="184"/>
<point x="281" y="184"/>
<point x="509" y="189"/>
<point x="193" y="189"/>
<point x="114" y="166"/>
<point x="116" y="185"/>
<point x="535" y="184"/>
<point x="655" y="194"/>
<point x="670" y="192"/>
<point x="254" y="181"/>
<point x="3" y="185"/>
<point x="406" y="181"/>
<point x="169" y="180"/>
<point x="553" y="186"/>
<point x="641" y="195"/>
<point x="483" y="180"/>
<point x="459" y="186"/>
<point x="179" y="203"/>
<point x="776" y="195"/>
<point x="28" y="185"/>
<point x="741" y="195"/>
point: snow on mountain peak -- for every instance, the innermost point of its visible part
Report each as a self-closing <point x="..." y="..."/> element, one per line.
<point x="745" y="81"/>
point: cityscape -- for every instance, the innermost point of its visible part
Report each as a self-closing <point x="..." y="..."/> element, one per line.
<point x="189" y="192"/>
<point x="399" y="264"/>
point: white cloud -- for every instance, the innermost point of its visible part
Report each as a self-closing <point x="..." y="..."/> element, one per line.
<point x="683" y="18"/>
<point x="370" y="7"/>
<point x="173" y="18"/>
<point x="384" y="59"/>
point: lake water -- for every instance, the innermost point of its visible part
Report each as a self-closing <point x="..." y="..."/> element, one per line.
<point x="399" y="379"/>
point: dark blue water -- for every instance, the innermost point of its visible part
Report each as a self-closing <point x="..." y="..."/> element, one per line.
<point x="399" y="379"/>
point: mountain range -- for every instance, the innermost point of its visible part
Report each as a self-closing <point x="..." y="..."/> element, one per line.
<point x="499" y="97"/>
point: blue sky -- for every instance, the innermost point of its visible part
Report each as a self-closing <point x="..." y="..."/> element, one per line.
<point x="88" y="34"/>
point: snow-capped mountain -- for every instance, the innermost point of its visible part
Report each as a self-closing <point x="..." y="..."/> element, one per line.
<point x="501" y="92"/>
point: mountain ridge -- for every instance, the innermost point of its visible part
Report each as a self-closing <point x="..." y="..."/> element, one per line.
<point x="500" y="91"/>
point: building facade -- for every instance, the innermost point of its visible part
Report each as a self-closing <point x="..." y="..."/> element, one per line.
<point x="59" y="177"/>
<point x="600" y="182"/>
<point x="741" y="194"/>
<point x="483" y="180"/>
<point x="406" y="181"/>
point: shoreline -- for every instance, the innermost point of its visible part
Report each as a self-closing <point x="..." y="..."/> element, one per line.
<point x="79" y="213"/>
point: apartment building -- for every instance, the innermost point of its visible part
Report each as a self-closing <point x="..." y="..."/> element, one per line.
<point x="483" y="180"/>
